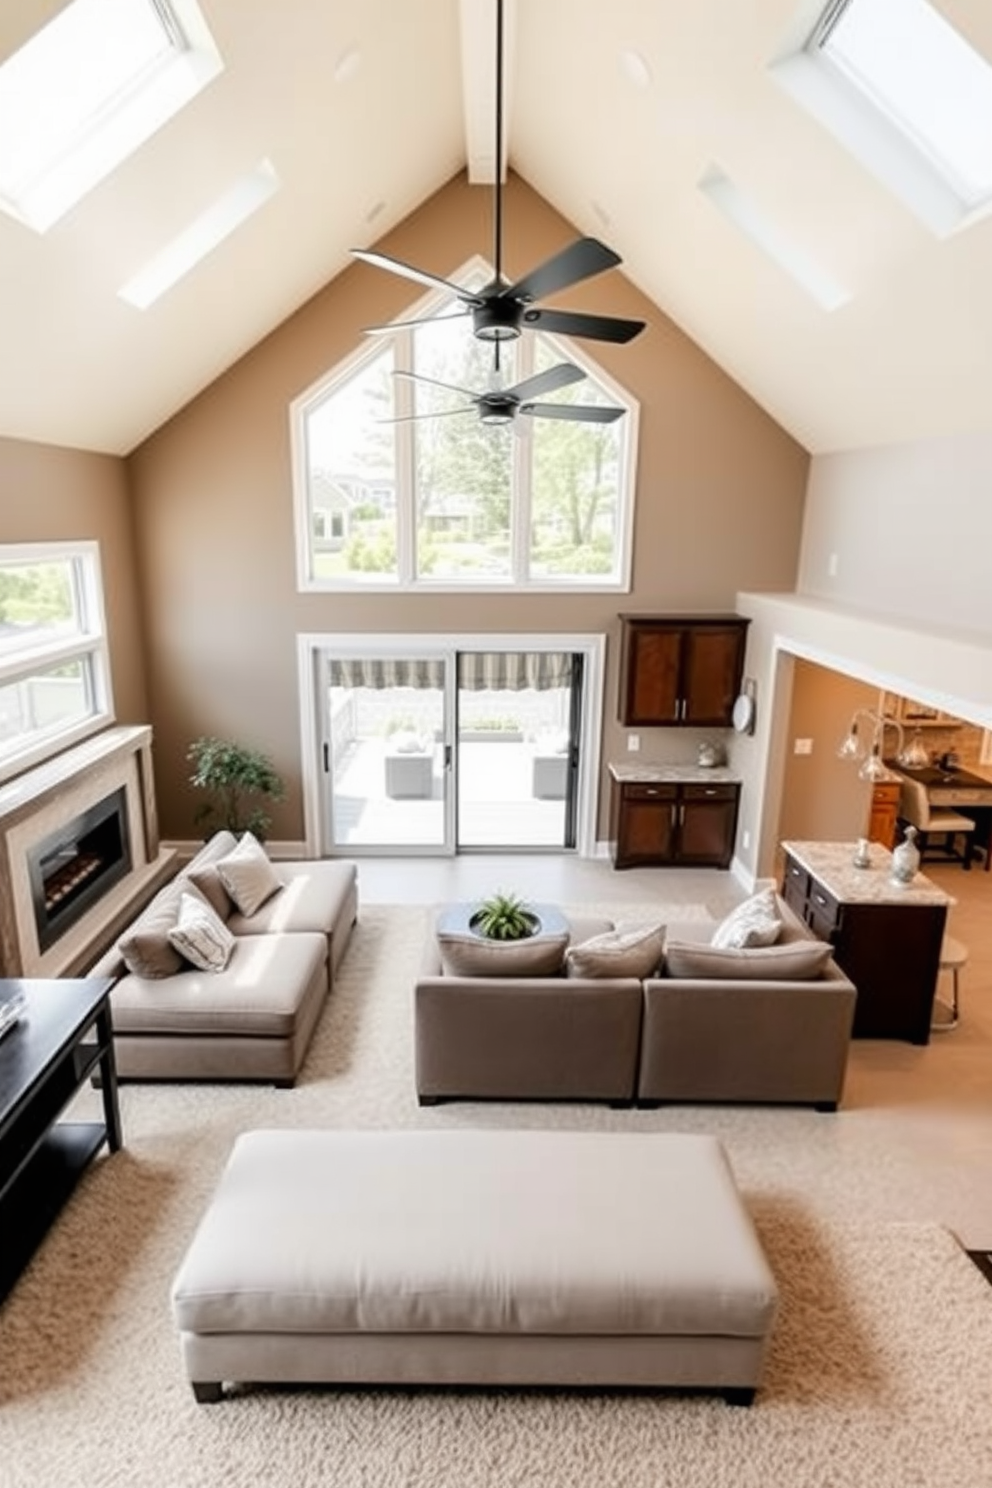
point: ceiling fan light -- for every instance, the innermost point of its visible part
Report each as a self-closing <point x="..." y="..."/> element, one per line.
<point x="494" y="409"/>
<point x="496" y="320"/>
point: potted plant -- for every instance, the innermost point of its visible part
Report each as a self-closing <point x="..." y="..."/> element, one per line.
<point x="235" y="776"/>
<point x="504" y="917"/>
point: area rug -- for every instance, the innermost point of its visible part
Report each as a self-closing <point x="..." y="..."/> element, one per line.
<point x="878" y="1370"/>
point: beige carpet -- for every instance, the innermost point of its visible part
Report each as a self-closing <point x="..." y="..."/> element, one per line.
<point x="878" y="1373"/>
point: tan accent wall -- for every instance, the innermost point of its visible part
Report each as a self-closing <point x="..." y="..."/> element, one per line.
<point x="720" y="506"/>
<point x="49" y="495"/>
<point x="823" y="798"/>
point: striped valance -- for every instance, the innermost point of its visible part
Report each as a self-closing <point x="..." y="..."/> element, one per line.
<point x="478" y="671"/>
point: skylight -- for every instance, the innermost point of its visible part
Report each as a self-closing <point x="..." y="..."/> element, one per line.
<point x="924" y="76"/>
<point x="202" y="235"/>
<point x="910" y="98"/>
<point x="86" y="90"/>
<point x="756" y="225"/>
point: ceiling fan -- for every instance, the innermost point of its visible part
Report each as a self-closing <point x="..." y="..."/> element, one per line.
<point x="504" y="405"/>
<point x="501" y="310"/>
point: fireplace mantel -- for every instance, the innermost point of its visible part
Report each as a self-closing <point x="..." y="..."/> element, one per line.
<point x="36" y="804"/>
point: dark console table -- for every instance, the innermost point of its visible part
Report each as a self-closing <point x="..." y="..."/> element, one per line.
<point x="62" y="1038"/>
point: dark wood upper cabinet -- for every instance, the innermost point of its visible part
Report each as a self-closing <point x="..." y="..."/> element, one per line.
<point x="681" y="671"/>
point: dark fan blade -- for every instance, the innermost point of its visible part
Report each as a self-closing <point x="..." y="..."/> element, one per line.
<point x="408" y="418"/>
<point x="585" y="257"/>
<point x="546" y="382"/>
<point x="399" y="325"/>
<point x="587" y="413"/>
<point x="451" y="387"/>
<point x="571" y="323"/>
<point x="420" y="276"/>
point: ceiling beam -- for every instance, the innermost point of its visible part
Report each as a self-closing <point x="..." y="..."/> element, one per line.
<point x="478" y="45"/>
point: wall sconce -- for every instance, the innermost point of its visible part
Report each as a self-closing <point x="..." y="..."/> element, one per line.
<point x="866" y="745"/>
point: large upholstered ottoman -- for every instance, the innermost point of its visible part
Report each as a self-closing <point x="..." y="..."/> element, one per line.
<point x="475" y="1258"/>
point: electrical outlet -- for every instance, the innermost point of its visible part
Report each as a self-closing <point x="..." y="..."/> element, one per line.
<point x="803" y="746"/>
<point x="633" y="743"/>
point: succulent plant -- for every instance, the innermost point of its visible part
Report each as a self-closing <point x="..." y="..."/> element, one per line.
<point x="504" y="917"/>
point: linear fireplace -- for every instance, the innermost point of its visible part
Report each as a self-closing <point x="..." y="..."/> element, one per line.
<point x="74" y="866"/>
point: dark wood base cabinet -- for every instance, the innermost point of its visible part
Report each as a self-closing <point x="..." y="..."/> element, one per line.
<point x="891" y="952"/>
<point x="669" y="825"/>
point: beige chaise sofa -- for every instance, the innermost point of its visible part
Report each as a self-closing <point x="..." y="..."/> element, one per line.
<point x="253" y="1020"/>
<point x="739" y="1035"/>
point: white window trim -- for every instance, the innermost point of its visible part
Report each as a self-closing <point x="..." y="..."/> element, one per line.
<point x="344" y="370"/>
<point x="89" y="643"/>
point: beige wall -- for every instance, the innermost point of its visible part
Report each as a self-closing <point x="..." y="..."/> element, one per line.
<point x="910" y="529"/>
<point x="720" y="502"/>
<point x="48" y="495"/>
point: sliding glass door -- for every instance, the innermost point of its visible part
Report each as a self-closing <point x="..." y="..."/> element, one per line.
<point x="450" y="748"/>
<point x="517" y="749"/>
<point x="386" y="759"/>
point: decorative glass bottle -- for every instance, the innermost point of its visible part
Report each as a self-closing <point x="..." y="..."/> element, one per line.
<point x="906" y="859"/>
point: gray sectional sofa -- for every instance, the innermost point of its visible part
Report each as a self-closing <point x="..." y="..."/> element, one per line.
<point x="738" y="1036"/>
<point x="254" y="1019"/>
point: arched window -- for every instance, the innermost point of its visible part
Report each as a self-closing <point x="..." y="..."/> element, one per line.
<point x="421" y="493"/>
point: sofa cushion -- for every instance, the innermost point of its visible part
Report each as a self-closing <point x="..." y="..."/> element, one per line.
<point x="795" y="961"/>
<point x="145" y="947"/>
<point x="756" y="922"/>
<point x="464" y="954"/>
<point x="259" y="994"/>
<point x="314" y="896"/>
<point x="207" y="879"/>
<point x="636" y="952"/>
<point x="247" y="874"/>
<point x="200" y="936"/>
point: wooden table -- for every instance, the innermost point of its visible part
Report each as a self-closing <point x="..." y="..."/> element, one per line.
<point x="63" y="1037"/>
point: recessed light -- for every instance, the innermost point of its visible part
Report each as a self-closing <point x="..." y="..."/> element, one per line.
<point x="635" y="67"/>
<point x="347" y="65"/>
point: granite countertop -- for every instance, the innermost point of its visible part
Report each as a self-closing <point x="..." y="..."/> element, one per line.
<point x="831" y="863"/>
<point x="645" y="773"/>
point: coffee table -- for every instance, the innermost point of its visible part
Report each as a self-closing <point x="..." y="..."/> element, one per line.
<point x="62" y="1038"/>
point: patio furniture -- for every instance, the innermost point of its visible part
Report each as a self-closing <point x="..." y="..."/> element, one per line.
<point x="409" y="774"/>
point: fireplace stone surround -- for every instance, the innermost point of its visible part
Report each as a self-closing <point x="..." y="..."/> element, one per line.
<point x="34" y="808"/>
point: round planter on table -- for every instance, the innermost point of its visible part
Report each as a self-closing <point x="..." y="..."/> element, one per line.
<point x="456" y="919"/>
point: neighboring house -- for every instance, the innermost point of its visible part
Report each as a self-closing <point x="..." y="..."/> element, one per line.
<point x="332" y="506"/>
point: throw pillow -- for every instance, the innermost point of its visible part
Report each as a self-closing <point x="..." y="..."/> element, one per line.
<point x="756" y="922"/>
<point x="247" y="875"/>
<point x="211" y="886"/>
<point x="472" y="956"/>
<point x="145" y="947"/>
<point x="200" y="936"/>
<point x="794" y="961"/>
<point x="618" y="953"/>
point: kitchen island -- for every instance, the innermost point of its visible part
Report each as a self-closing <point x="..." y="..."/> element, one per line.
<point x="886" y="936"/>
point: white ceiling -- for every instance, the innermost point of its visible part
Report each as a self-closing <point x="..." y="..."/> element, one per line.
<point x="909" y="355"/>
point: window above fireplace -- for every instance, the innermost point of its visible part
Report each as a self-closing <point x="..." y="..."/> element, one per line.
<point x="54" y="669"/>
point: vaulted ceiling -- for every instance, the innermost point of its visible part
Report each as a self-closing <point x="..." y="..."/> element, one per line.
<point x="366" y="107"/>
